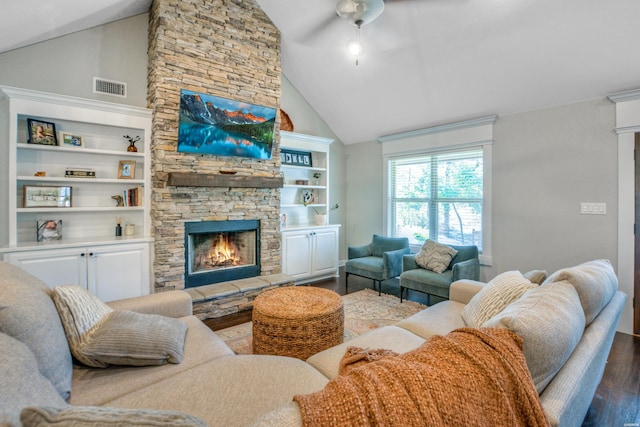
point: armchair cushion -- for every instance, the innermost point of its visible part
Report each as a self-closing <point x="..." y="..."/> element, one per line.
<point x="382" y="244"/>
<point x="435" y="256"/>
<point x="379" y="260"/>
<point x="358" y="251"/>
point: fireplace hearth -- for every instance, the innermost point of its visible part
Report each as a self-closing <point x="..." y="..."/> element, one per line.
<point x="219" y="251"/>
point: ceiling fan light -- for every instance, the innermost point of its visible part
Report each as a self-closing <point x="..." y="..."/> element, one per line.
<point x="355" y="48"/>
<point x="364" y="11"/>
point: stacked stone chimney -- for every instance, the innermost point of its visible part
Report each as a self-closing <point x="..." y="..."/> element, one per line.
<point x="226" y="48"/>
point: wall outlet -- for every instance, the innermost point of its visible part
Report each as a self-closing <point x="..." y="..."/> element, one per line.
<point x="593" y="208"/>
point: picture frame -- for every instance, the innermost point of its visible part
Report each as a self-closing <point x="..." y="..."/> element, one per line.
<point x="127" y="169"/>
<point x="68" y="139"/>
<point x="41" y="132"/>
<point x="296" y="158"/>
<point x="47" y="196"/>
<point x="48" y="229"/>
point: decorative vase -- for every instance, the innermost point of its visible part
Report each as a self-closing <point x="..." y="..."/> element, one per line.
<point x="320" y="219"/>
<point x="132" y="147"/>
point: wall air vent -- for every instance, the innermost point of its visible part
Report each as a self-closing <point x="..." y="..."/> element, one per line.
<point x="109" y="87"/>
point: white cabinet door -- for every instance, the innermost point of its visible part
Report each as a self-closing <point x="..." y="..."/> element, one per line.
<point x="310" y="253"/>
<point x="53" y="267"/>
<point x="118" y="271"/>
<point x="109" y="272"/>
<point x="296" y="254"/>
<point x="325" y="260"/>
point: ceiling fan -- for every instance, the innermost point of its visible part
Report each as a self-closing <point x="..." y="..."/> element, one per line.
<point x="359" y="12"/>
<point x="355" y="12"/>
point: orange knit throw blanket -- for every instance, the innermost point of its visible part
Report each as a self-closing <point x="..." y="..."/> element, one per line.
<point x="468" y="377"/>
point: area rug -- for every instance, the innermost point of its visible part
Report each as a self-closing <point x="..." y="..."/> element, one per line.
<point x="363" y="311"/>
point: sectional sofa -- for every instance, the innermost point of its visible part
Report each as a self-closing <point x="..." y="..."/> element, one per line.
<point x="212" y="386"/>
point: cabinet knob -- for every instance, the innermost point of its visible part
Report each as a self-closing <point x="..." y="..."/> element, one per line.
<point x="82" y="254"/>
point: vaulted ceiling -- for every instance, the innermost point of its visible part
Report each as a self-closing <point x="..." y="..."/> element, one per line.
<point x="426" y="62"/>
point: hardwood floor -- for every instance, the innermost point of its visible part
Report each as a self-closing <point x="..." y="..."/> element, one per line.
<point x="617" y="399"/>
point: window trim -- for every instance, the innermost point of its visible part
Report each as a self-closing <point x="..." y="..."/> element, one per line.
<point x="469" y="134"/>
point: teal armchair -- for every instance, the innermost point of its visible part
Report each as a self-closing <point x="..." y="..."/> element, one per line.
<point x="464" y="265"/>
<point x="379" y="260"/>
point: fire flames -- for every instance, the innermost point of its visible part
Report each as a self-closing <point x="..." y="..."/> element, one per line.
<point x="222" y="253"/>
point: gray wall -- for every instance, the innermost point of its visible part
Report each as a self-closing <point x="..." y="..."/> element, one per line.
<point x="544" y="164"/>
<point x="66" y="65"/>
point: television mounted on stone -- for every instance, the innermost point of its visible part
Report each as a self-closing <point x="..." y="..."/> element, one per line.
<point x="224" y="127"/>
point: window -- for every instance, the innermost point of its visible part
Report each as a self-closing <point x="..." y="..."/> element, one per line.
<point x="437" y="196"/>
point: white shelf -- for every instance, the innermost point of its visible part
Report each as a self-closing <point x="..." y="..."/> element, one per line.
<point x="304" y="186"/>
<point x="81" y="180"/>
<point x="81" y="209"/>
<point x="79" y="150"/>
<point x="300" y="205"/>
<point x="306" y="168"/>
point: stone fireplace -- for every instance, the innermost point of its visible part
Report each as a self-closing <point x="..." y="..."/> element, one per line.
<point x="224" y="48"/>
<point x="219" y="251"/>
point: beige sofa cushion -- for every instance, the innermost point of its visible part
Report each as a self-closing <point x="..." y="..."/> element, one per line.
<point x="96" y="387"/>
<point x="595" y="281"/>
<point x="28" y="314"/>
<point x="230" y="391"/>
<point x="93" y="416"/>
<point x="435" y="256"/>
<point x="439" y="319"/>
<point x="501" y="291"/>
<point x="388" y="338"/>
<point x="21" y="382"/>
<point x="99" y="336"/>
<point x="550" y="321"/>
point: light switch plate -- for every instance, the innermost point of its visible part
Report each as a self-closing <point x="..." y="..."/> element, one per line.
<point x="593" y="208"/>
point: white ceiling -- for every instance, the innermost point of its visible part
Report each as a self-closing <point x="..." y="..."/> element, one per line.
<point x="426" y="62"/>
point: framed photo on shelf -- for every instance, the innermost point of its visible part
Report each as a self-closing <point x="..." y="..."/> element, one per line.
<point x="40" y="196"/>
<point x="67" y="139"/>
<point x="41" y="132"/>
<point x="296" y="158"/>
<point x="49" y="229"/>
<point x="127" y="169"/>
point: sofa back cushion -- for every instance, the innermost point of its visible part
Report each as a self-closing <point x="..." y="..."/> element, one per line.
<point x="28" y="314"/>
<point x="550" y="321"/>
<point x="501" y="291"/>
<point x="21" y="382"/>
<point x="595" y="281"/>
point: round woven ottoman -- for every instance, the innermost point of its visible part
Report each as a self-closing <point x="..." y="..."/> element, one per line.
<point x="297" y="321"/>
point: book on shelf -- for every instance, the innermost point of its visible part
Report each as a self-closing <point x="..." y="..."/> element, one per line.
<point x="134" y="196"/>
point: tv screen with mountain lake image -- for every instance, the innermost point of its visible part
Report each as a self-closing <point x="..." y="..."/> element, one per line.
<point x="223" y="127"/>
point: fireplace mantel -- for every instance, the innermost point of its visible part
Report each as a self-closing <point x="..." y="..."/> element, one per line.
<point x="192" y="179"/>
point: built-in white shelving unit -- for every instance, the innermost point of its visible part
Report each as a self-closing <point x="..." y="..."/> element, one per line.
<point x="309" y="244"/>
<point x="89" y="252"/>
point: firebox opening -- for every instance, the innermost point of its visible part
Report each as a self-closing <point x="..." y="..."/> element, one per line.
<point x="218" y="251"/>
